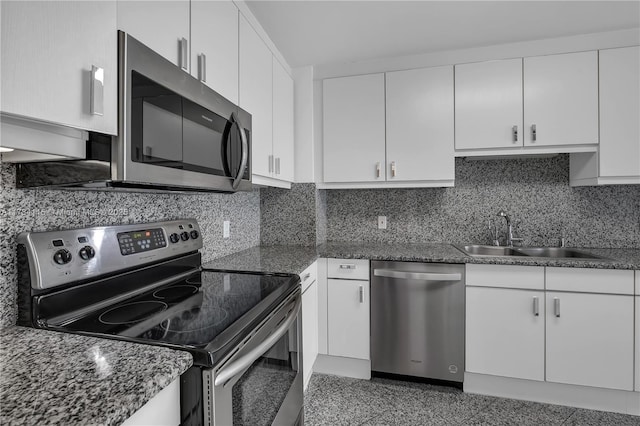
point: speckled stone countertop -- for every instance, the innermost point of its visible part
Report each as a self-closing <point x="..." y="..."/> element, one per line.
<point x="270" y="259"/>
<point x="49" y="378"/>
<point x="295" y="259"/>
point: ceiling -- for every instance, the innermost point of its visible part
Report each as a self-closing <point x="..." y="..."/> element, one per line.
<point x="310" y="32"/>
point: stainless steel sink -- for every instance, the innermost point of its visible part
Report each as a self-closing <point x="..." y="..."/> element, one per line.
<point x="548" y="252"/>
<point x="477" y="250"/>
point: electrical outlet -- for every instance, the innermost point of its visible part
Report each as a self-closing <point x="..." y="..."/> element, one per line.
<point x="226" y="229"/>
<point x="382" y="222"/>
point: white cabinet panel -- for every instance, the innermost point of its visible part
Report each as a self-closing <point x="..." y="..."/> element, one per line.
<point x="620" y="112"/>
<point x="637" y="327"/>
<point x="561" y="99"/>
<point x="589" y="340"/>
<point x="309" y="331"/>
<point x="488" y="104"/>
<point x="348" y="318"/>
<point x="159" y="25"/>
<point x="505" y="332"/>
<point x="508" y="276"/>
<point x="48" y="50"/>
<point x="419" y="120"/>
<point x="350" y="269"/>
<point x="214" y="33"/>
<point x="354" y="129"/>
<point x="589" y="280"/>
<point x="282" y="123"/>
<point x="256" y="96"/>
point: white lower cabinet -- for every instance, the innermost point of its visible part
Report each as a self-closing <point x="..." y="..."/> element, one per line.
<point x="348" y="319"/>
<point x="589" y="339"/>
<point x="637" y="382"/>
<point x="161" y="410"/>
<point x="309" y="321"/>
<point x="505" y="332"/>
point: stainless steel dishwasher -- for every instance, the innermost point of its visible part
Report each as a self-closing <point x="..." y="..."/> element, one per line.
<point x="417" y="319"/>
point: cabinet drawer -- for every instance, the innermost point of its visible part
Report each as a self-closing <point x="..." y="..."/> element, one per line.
<point x="351" y="269"/>
<point x="589" y="280"/>
<point x="507" y="276"/>
<point x="308" y="276"/>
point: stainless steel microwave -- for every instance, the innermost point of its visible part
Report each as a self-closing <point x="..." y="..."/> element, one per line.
<point x="174" y="133"/>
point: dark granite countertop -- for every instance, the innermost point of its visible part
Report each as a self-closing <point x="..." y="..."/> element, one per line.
<point x="295" y="259"/>
<point x="48" y="377"/>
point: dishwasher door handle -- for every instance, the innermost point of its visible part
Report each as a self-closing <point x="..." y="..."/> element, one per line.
<point x="424" y="276"/>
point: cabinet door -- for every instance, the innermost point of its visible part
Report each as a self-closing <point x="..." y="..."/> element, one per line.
<point x="309" y="330"/>
<point x="619" y="112"/>
<point x="589" y="340"/>
<point x="48" y="50"/>
<point x="419" y="113"/>
<point x="214" y="34"/>
<point x="282" y="122"/>
<point x="505" y="332"/>
<point x="637" y="327"/>
<point x="256" y="82"/>
<point x="354" y="129"/>
<point x="488" y="104"/>
<point x="561" y="99"/>
<point x="160" y="25"/>
<point x="348" y="322"/>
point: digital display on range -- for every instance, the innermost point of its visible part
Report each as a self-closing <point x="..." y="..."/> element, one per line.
<point x="141" y="241"/>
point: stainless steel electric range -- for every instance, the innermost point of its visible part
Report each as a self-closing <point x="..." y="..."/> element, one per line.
<point x="145" y="283"/>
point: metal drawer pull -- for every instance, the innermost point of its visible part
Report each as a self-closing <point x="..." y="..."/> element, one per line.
<point x="347" y="266"/>
<point x="378" y="169"/>
<point x="361" y="292"/>
<point x="184" y="53"/>
<point x="424" y="276"/>
<point x="556" y="307"/>
<point x="305" y="276"/>
<point x="533" y="132"/>
<point x="97" y="91"/>
<point x="536" y="306"/>
<point x="202" y="67"/>
<point x="393" y="169"/>
<point x="277" y="165"/>
<point x="270" y="163"/>
<point x="514" y="129"/>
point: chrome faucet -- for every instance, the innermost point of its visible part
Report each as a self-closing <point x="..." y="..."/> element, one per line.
<point x="510" y="237"/>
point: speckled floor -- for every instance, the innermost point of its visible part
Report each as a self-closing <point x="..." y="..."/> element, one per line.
<point x="337" y="401"/>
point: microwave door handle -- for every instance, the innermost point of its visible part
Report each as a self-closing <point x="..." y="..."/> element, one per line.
<point x="229" y="372"/>
<point x="245" y="151"/>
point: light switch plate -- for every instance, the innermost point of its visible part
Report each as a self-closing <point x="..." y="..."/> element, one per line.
<point x="382" y="222"/>
<point x="226" y="229"/>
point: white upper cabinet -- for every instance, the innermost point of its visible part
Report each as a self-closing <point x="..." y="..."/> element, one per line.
<point x="561" y="99"/>
<point x="256" y="69"/>
<point x="419" y="124"/>
<point x="48" y="52"/>
<point x="488" y="104"/>
<point x="214" y="46"/>
<point x="160" y="25"/>
<point x="354" y="129"/>
<point x="282" y="123"/>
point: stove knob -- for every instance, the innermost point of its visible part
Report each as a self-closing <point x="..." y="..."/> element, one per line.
<point x="184" y="236"/>
<point x="87" y="252"/>
<point x="194" y="234"/>
<point x="174" y="238"/>
<point x="62" y="257"/>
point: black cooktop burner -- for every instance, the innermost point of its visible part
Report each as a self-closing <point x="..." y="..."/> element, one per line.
<point x="131" y="313"/>
<point x="177" y="292"/>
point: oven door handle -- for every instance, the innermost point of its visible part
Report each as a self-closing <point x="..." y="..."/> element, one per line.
<point x="245" y="151"/>
<point x="245" y="361"/>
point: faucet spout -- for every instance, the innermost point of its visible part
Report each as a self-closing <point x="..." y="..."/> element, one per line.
<point x="501" y="213"/>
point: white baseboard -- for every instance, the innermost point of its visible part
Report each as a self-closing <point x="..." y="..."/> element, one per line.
<point x="591" y="398"/>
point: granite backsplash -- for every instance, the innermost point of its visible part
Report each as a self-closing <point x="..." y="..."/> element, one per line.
<point x="39" y="210"/>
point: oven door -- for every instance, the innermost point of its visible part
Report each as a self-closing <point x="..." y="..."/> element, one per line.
<point x="261" y="383"/>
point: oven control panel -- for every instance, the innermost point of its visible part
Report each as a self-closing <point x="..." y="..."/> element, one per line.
<point x="60" y="257"/>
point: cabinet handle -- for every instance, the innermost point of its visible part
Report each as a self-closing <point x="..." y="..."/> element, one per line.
<point x="378" y="169"/>
<point x="183" y="46"/>
<point x="347" y="266"/>
<point x="536" y="306"/>
<point x="533" y="132"/>
<point x="514" y="130"/>
<point x="393" y="169"/>
<point x="556" y="307"/>
<point x="202" y="67"/>
<point x="270" y="163"/>
<point x="305" y="277"/>
<point x="97" y="91"/>
<point x="361" y="293"/>
<point x="277" y="165"/>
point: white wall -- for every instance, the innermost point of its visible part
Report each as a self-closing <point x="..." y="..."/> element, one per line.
<point x="303" y="124"/>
